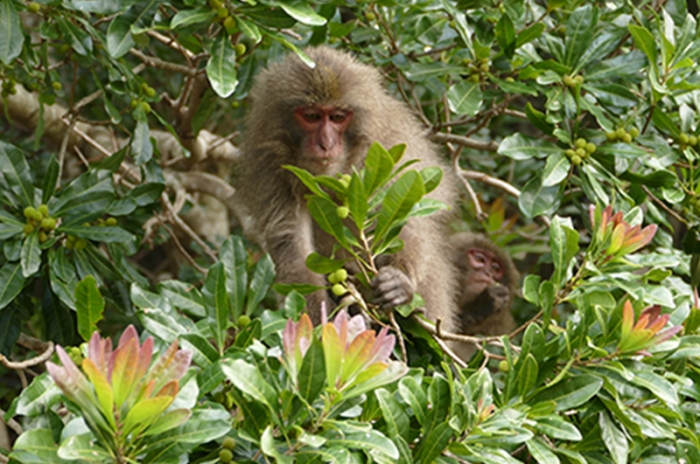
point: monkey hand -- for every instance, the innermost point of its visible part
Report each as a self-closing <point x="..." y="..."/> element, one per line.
<point x="392" y="287"/>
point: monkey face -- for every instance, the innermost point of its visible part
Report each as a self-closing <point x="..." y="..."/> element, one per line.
<point x="323" y="127"/>
<point x="486" y="264"/>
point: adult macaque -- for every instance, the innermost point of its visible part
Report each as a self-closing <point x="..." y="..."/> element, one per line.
<point x="324" y="119"/>
<point x="488" y="280"/>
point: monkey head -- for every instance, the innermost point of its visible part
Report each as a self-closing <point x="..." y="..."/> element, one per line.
<point x="322" y="128"/>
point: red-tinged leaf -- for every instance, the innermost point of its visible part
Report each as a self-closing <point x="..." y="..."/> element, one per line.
<point x="357" y="354"/>
<point x="100" y="352"/>
<point x="145" y="356"/>
<point x="627" y="320"/>
<point x="102" y="388"/>
<point x="145" y="412"/>
<point x="618" y="237"/>
<point x="369" y="372"/>
<point x="642" y="323"/>
<point x="668" y="333"/>
<point x="169" y="389"/>
<point x="128" y="334"/>
<point x="123" y="372"/>
<point x="332" y="353"/>
<point x="72" y="371"/>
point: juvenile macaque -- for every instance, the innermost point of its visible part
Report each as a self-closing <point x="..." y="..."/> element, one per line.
<point x="324" y="119"/>
<point x="488" y="280"/>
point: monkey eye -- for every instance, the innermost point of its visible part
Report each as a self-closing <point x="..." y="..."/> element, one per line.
<point x="311" y="116"/>
<point x="479" y="257"/>
<point x="496" y="268"/>
<point x="338" y="117"/>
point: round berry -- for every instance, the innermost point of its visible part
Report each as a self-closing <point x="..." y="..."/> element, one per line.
<point x="29" y="212"/>
<point x="56" y="85"/>
<point x="230" y="24"/>
<point x="683" y="139"/>
<point x="42" y="237"/>
<point x="580" y="143"/>
<point x="611" y="136"/>
<point x="28" y="229"/>
<point x="568" y="81"/>
<point x="692" y="140"/>
<point x="634" y="132"/>
<point x="80" y="244"/>
<point x="225" y="456"/>
<point x="581" y="152"/>
<point x="111" y="221"/>
<point x="222" y="12"/>
<point x="240" y="49"/>
<point x="474" y="78"/>
<point x="590" y="147"/>
<point x="342" y="211"/>
<point x="34" y="7"/>
<point x="620" y="133"/>
<point x="338" y="290"/>
<point x="485" y="67"/>
<point x="341" y="275"/>
<point x="229" y="443"/>
<point x="503" y="366"/>
<point x="243" y="321"/>
<point x="570" y="152"/>
<point x="626" y="138"/>
<point x="44" y="210"/>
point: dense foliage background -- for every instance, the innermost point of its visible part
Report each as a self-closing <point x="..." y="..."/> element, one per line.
<point x="122" y="117"/>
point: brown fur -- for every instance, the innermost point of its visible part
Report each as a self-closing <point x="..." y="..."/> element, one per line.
<point x="273" y="197"/>
<point x="486" y="312"/>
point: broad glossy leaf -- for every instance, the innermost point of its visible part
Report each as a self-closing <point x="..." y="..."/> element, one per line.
<point x="76" y="37"/>
<point x="644" y="41"/>
<point x="183" y="296"/>
<point x="433" y="443"/>
<point x="505" y="35"/>
<point x="11" y="282"/>
<point x="579" y="33"/>
<point x="216" y="303"/>
<point x="324" y="212"/>
<point x="322" y="265"/>
<point x="235" y="258"/>
<point x="260" y="283"/>
<point x="378" y="166"/>
<point x="396" y="419"/>
<point x="89" y="193"/>
<point x="249" y="29"/>
<point x="371" y="440"/>
<point x="141" y="145"/>
<point x="520" y="147"/>
<point x="203" y="353"/>
<point x="555" y="170"/>
<point x="145" y="412"/>
<point x="251" y="332"/>
<point x="563" y="241"/>
<point x="36" y="446"/>
<point x="541" y="452"/>
<point x="399" y="199"/>
<point x="119" y="38"/>
<point x="302" y="12"/>
<point x="573" y="392"/>
<point x="11" y="37"/>
<point x="357" y="200"/>
<point x="556" y="427"/>
<point x="248" y="379"/>
<point x="14" y="167"/>
<point x="221" y="68"/>
<point x="167" y="421"/>
<point x="107" y="234"/>
<point x="40" y="395"/>
<point x="184" y="18"/>
<point x="269" y="447"/>
<point x="312" y="374"/>
<point x="536" y="200"/>
<point x="465" y="98"/>
<point x="50" y="180"/>
<point x="614" y="439"/>
<point x="30" y="254"/>
<point x="90" y="306"/>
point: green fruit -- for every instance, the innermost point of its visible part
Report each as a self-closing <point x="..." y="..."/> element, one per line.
<point x="342" y="212"/>
<point x="222" y="12"/>
<point x="56" y="85"/>
<point x="228" y="400"/>
<point x="332" y="278"/>
<point x="345" y="180"/>
<point x="485" y="67"/>
<point x="48" y="223"/>
<point x="133" y="104"/>
<point x="338" y="290"/>
<point x="581" y="152"/>
<point x="683" y="139"/>
<point x="634" y="132"/>
<point x="370" y="16"/>
<point x="474" y="78"/>
<point x="42" y="237"/>
<point x="240" y="49"/>
<point x="503" y="366"/>
<point x="38" y="216"/>
<point x="466" y="61"/>
<point x="229" y="443"/>
<point x="28" y="229"/>
<point x="150" y="92"/>
<point x="146" y="107"/>
<point x="509" y="79"/>
<point x="341" y="275"/>
<point x="692" y="140"/>
<point x="580" y="143"/>
<point x="611" y="136"/>
<point x="590" y="147"/>
<point x="44" y="210"/>
<point x="215" y="4"/>
<point x="230" y="24"/>
<point x="627" y="138"/>
<point x="576" y="160"/>
<point x="578" y="80"/>
<point x="29" y="212"/>
<point x="111" y="221"/>
<point x="570" y="153"/>
<point x="235" y="104"/>
<point x="568" y="81"/>
<point x="34" y="7"/>
<point x="219" y="397"/>
<point x="620" y="133"/>
<point x="243" y="321"/>
<point x="225" y="456"/>
<point x="80" y="244"/>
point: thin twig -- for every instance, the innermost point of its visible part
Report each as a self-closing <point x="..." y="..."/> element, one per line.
<point x="470" y="191"/>
<point x="399" y="336"/>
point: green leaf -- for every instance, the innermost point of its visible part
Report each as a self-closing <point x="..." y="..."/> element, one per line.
<point x="579" y="33"/>
<point x="249" y="29"/>
<point x="248" y="379"/>
<point x="203" y="352"/>
<point x="11" y="37"/>
<point x="50" y="179"/>
<point x="269" y="447"/>
<point x="465" y="98"/>
<point x="541" y="452"/>
<point x="413" y="394"/>
<point x="527" y="372"/>
<point x="251" y="332"/>
<point x="399" y="199"/>
<point x="378" y="166"/>
<point x="141" y="146"/>
<point x="36" y="446"/>
<point x="235" y="258"/>
<point x="14" y="167"/>
<point x="556" y="427"/>
<point x="323" y="210"/>
<point x="358" y="202"/>
<point x="440" y="399"/>
<point x="556" y="170"/>
<point x="519" y="147"/>
<point x="538" y="119"/>
<point x="11" y="282"/>
<point x="30" y="254"/>
<point x="263" y="276"/>
<point x="644" y="41"/>
<point x="77" y="38"/>
<point x="119" y="38"/>
<point x="185" y="18"/>
<point x="322" y="265"/>
<point x="170" y="420"/>
<point x="505" y="35"/>
<point x="302" y="12"/>
<point x="371" y="440"/>
<point x="396" y="419"/>
<point x="572" y="393"/>
<point x="536" y="200"/>
<point x="563" y="242"/>
<point x="106" y="234"/>
<point x="664" y="123"/>
<point x="531" y="287"/>
<point x="614" y="439"/>
<point x="433" y="443"/>
<point x="146" y="193"/>
<point x="312" y="374"/>
<point x="221" y="67"/>
<point x="216" y="300"/>
<point x="529" y="34"/>
<point x="89" y="305"/>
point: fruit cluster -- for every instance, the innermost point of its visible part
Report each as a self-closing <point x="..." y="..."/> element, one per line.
<point x="226" y="453"/>
<point x="337" y="279"/>
<point x="621" y="135"/>
<point x="581" y="150"/>
<point x="573" y="81"/>
<point x="477" y="69"/>
<point x="8" y="87"/>
<point x="685" y="140"/>
<point x="38" y="218"/>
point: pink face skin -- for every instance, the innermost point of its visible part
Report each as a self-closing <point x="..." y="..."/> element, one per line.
<point x="487" y="268"/>
<point x="324" y="126"/>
